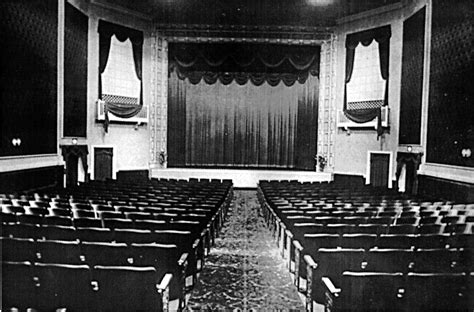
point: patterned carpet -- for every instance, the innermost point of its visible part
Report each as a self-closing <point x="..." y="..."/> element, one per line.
<point x="244" y="271"/>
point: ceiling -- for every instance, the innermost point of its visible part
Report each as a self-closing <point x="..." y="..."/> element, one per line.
<point x="302" y="13"/>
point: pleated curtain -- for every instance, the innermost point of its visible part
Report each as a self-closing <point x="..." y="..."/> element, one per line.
<point x="233" y="125"/>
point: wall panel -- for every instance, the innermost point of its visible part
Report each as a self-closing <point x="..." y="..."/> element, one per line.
<point x="412" y="78"/>
<point x="28" y="79"/>
<point x="450" y="112"/>
<point x="75" y="73"/>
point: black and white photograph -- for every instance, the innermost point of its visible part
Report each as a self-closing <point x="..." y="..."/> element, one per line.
<point x="237" y="155"/>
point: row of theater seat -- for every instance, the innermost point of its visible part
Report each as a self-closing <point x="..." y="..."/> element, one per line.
<point x="115" y="226"/>
<point x="383" y="291"/>
<point x="323" y="230"/>
<point x="165" y="258"/>
<point x="49" y="287"/>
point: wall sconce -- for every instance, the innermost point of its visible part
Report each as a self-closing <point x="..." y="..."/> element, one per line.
<point x="466" y="152"/>
<point x="16" y="141"/>
<point x="409" y="148"/>
<point x="74" y="141"/>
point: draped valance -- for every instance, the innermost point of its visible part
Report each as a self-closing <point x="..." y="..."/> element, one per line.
<point x="242" y="62"/>
<point x="122" y="33"/>
<point x="380" y="34"/>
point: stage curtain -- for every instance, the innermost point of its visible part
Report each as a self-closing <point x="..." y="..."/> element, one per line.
<point x="382" y="36"/>
<point x="233" y="125"/>
<point x="241" y="62"/>
<point x="106" y="31"/>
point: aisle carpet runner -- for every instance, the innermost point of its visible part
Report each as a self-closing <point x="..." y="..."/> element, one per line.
<point x="244" y="271"/>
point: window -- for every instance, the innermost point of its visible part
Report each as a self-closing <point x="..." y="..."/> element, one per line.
<point x="120" y="71"/>
<point x="120" y="83"/>
<point x="366" y="88"/>
<point x="367" y="55"/>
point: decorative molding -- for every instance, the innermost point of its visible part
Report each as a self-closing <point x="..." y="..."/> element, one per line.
<point x="120" y="9"/>
<point x="249" y="34"/>
<point x="448" y="172"/>
<point x="14" y="163"/>
<point x="159" y="98"/>
<point x="327" y="102"/>
<point x="370" y="13"/>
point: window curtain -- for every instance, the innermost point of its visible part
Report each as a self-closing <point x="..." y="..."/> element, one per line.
<point x="382" y="36"/>
<point x="257" y="63"/>
<point x="106" y="31"/>
<point x="242" y="126"/>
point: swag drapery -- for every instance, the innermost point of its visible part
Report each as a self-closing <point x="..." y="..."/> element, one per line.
<point x="239" y="62"/>
<point x="382" y="36"/>
<point x="106" y="31"/>
<point x="239" y="126"/>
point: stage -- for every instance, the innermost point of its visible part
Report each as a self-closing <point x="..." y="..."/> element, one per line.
<point x="242" y="178"/>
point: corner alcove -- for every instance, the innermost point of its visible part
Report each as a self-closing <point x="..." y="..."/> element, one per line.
<point x="71" y="155"/>
<point x="409" y="162"/>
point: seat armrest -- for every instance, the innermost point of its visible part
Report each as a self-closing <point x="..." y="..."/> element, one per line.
<point x="297" y="245"/>
<point x="289" y="234"/>
<point x="183" y="259"/>
<point x="165" y="282"/>
<point x="330" y="286"/>
<point x="309" y="261"/>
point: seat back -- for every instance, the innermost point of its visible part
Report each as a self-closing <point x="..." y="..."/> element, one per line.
<point x="124" y="288"/>
<point x="130" y="236"/>
<point x="17" y="280"/>
<point x="402" y="229"/>
<point x="461" y="241"/>
<point x="372" y="291"/>
<point x="426" y="241"/>
<point x="365" y="241"/>
<point x="332" y="262"/>
<point x="65" y="233"/>
<point x="164" y="258"/>
<point x="86" y="234"/>
<point x="440" y="260"/>
<point x="389" y="260"/>
<point x="18" y="249"/>
<point x="395" y="241"/>
<point x="55" y="251"/>
<point x="313" y="242"/>
<point x="438" y="292"/>
<point x="116" y="254"/>
<point x="64" y="286"/>
<point x="57" y="220"/>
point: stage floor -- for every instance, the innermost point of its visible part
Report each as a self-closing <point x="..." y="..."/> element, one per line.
<point x="242" y="178"/>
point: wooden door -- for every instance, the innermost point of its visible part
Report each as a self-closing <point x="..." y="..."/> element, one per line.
<point x="379" y="169"/>
<point x="103" y="163"/>
<point x="71" y="170"/>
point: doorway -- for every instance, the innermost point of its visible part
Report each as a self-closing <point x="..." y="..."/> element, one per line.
<point x="379" y="169"/>
<point x="103" y="163"/>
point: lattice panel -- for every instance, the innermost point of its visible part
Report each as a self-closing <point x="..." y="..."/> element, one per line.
<point x="327" y="107"/>
<point x="159" y="103"/>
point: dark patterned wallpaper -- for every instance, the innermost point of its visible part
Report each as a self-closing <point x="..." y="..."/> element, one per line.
<point x="28" y="76"/>
<point x="75" y="73"/>
<point x="412" y="78"/>
<point x="451" y="107"/>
